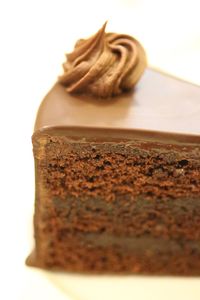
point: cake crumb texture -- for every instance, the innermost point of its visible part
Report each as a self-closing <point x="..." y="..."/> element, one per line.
<point x="117" y="207"/>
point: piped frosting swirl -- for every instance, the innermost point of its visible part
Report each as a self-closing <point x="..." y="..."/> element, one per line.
<point x="104" y="65"/>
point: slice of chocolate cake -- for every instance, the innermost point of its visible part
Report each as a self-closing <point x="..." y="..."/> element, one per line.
<point x="117" y="178"/>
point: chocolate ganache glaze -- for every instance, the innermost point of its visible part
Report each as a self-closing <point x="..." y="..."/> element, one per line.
<point x="104" y="65"/>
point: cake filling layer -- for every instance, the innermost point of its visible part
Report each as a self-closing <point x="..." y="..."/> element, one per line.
<point x="149" y="244"/>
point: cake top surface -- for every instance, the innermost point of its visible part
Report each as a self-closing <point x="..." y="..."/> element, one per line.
<point x="159" y="103"/>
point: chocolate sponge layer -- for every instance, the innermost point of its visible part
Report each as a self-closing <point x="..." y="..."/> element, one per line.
<point x="117" y="205"/>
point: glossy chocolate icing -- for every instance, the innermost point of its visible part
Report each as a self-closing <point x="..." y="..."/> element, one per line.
<point x="159" y="103"/>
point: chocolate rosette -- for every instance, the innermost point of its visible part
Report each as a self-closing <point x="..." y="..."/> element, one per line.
<point x="104" y="65"/>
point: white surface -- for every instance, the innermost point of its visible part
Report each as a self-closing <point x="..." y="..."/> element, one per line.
<point x="34" y="36"/>
<point x="128" y="288"/>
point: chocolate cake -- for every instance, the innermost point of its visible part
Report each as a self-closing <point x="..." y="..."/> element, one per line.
<point x="117" y="170"/>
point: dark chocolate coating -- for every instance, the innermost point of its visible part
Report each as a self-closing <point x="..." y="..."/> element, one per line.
<point x="158" y="103"/>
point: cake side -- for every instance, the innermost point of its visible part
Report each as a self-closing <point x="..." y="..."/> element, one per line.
<point x="115" y="206"/>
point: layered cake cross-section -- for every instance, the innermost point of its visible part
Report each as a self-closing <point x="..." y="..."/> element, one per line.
<point x="117" y="170"/>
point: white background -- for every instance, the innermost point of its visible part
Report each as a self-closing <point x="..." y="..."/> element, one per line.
<point x="34" y="35"/>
